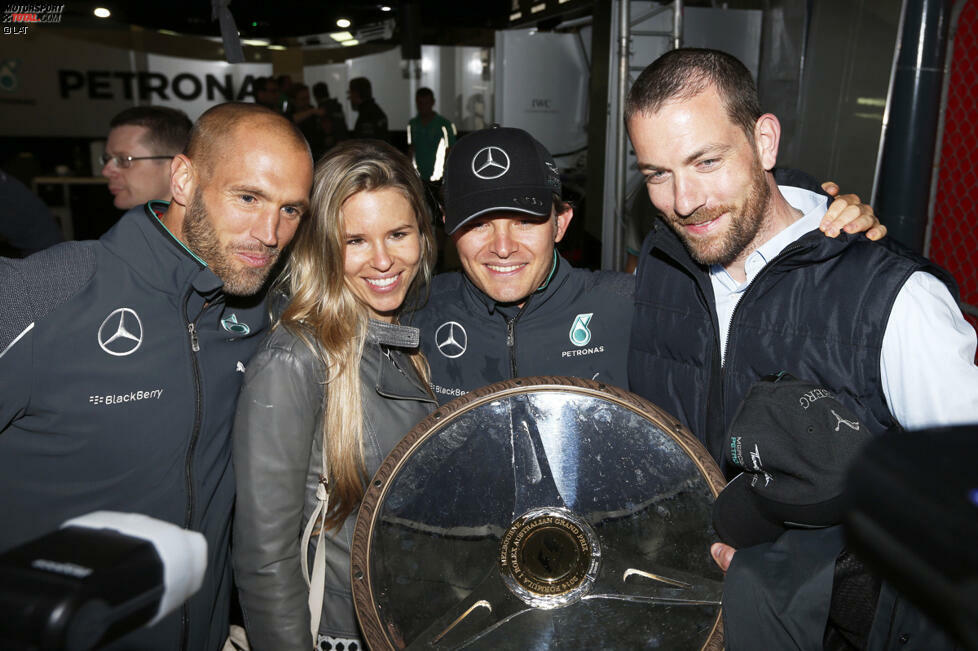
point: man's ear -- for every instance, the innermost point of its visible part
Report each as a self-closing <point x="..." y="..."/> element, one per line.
<point x="767" y="137"/>
<point x="183" y="179"/>
<point x="563" y="221"/>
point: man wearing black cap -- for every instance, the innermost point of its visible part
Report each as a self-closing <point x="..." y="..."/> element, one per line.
<point x="520" y="309"/>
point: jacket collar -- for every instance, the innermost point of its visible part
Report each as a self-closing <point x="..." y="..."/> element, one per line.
<point x="665" y="240"/>
<point x="812" y="247"/>
<point x="480" y="302"/>
<point x="144" y="243"/>
<point x="396" y="377"/>
<point x="393" y="334"/>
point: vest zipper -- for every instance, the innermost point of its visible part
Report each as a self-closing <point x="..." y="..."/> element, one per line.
<point x="790" y="249"/>
<point x="787" y="251"/>
<point x="715" y="401"/>
<point x="194" y="435"/>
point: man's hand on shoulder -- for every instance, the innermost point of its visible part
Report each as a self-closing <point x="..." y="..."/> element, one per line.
<point x="847" y="213"/>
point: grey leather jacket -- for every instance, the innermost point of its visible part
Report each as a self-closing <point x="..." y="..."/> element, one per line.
<point x="277" y="460"/>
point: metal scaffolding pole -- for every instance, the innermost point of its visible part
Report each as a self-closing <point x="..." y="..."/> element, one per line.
<point x="621" y="153"/>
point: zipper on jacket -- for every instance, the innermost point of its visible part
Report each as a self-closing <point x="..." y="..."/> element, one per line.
<point x="511" y="338"/>
<point x="194" y="435"/>
<point x="511" y="344"/>
<point x="194" y="342"/>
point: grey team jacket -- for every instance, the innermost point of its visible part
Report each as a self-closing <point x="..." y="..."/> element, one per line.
<point x="577" y="325"/>
<point x="109" y="401"/>
<point x="278" y="448"/>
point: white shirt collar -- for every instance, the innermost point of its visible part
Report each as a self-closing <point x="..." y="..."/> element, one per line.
<point x="811" y="204"/>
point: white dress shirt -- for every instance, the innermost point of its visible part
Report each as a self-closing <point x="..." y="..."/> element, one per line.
<point x="927" y="363"/>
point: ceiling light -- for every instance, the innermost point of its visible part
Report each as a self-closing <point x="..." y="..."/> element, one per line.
<point x="384" y="8"/>
<point x="167" y="32"/>
<point x="343" y="23"/>
<point x="259" y="42"/>
<point x="276" y="47"/>
<point x="102" y="12"/>
<point x="341" y="36"/>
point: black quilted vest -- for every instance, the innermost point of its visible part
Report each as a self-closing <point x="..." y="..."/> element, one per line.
<point x="818" y="311"/>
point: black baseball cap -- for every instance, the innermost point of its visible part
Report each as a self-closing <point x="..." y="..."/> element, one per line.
<point x="498" y="168"/>
<point x="794" y="441"/>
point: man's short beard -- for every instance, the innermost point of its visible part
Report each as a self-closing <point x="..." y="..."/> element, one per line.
<point x="742" y="230"/>
<point x="202" y="239"/>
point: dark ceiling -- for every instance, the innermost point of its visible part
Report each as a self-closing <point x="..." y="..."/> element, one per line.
<point x="281" y="19"/>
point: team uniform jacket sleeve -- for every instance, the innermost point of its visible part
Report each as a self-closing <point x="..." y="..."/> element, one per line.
<point x="273" y="432"/>
<point x="16" y="347"/>
<point x="927" y="363"/>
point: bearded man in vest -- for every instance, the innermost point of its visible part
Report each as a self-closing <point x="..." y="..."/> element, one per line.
<point x="735" y="282"/>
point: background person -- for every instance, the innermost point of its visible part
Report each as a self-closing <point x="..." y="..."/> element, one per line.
<point x="286" y="90"/>
<point x="334" y="119"/>
<point x="371" y="119"/>
<point x="430" y="136"/>
<point x="309" y="119"/>
<point x="267" y="93"/>
<point x="142" y="141"/>
<point x="337" y="373"/>
<point x="121" y="359"/>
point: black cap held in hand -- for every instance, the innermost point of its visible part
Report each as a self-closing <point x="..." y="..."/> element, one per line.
<point x="794" y="441"/>
<point x="498" y="169"/>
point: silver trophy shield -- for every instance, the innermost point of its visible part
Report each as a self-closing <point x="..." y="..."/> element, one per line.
<point x="541" y="513"/>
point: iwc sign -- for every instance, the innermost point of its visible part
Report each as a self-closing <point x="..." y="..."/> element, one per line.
<point x="540" y="513"/>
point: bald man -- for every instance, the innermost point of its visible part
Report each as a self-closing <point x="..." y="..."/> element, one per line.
<point x="121" y="358"/>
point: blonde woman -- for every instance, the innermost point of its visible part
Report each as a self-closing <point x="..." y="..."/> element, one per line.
<point x="339" y="373"/>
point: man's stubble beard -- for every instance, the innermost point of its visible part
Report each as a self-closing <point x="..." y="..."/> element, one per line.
<point x="202" y="239"/>
<point x="744" y="225"/>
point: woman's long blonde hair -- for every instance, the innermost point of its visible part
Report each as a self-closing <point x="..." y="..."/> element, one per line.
<point x="325" y="313"/>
